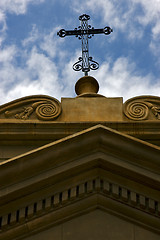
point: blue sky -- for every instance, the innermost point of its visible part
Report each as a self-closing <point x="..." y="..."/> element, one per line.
<point x="34" y="60"/>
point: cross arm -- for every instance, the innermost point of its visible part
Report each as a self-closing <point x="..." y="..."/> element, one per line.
<point x="105" y="30"/>
<point x="62" y="33"/>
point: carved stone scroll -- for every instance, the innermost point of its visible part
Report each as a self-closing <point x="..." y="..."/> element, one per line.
<point x="142" y="108"/>
<point x="32" y="107"/>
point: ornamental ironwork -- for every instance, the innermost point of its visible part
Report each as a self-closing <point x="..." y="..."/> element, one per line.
<point x="84" y="32"/>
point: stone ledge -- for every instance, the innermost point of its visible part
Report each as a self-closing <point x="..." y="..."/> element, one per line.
<point x="12" y="133"/>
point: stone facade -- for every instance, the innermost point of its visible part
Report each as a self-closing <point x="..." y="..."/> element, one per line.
<point x="85" y="168"/>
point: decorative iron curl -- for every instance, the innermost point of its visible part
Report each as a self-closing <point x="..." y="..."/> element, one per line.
<point x="77" y="66"/>
<point x="93" y="65"/>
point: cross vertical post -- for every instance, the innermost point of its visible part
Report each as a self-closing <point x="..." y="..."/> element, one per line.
<point x="85" y="32"/>
<point x="85" y="48"/>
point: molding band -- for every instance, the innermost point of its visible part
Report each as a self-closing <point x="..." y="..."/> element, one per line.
<point x="58" y="200"/>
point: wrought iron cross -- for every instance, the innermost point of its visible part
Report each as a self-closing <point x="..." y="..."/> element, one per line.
<point x="84" y="32"/>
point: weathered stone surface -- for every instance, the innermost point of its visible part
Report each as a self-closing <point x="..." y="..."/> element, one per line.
<point x="59" y="181"/>
<point x="142" y="108"/>
<point x="96" y="225"/>
<point x="84" y="168"/>
<point x="40" y="107"/>
<point x="91" y="109"/>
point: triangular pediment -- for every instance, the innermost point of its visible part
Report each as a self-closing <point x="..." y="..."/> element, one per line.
<point x="81" y="148"/>
<point x="95" y="224"/>
<point x="95" y="168"/>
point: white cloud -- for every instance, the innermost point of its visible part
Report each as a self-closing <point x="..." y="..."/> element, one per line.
<point x="130" y="17"/>
<point x="33" y="36"/>
<point x="151" y="16"/>
<point x="151" y="10"/>
<point x="3" y="27"/>
<point x="7" y="66"/>
<point x="50" y="44"/>
<point x="121" y="79"/>
<point x="7" y="54"/>
<point x="38" y="74"/>
<point x="156" y="31"/>
<point x="47" y="42"/>
<point x="43" y="71"/>
<point x="112" y="12"/>
<point x="17" y="6"/>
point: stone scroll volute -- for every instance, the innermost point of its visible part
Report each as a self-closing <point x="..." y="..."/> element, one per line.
<point x="38" y="107"/>
<point x="142" y="108"/>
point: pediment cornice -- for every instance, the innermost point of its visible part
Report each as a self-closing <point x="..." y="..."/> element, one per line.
<point x="98" y="146"/>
